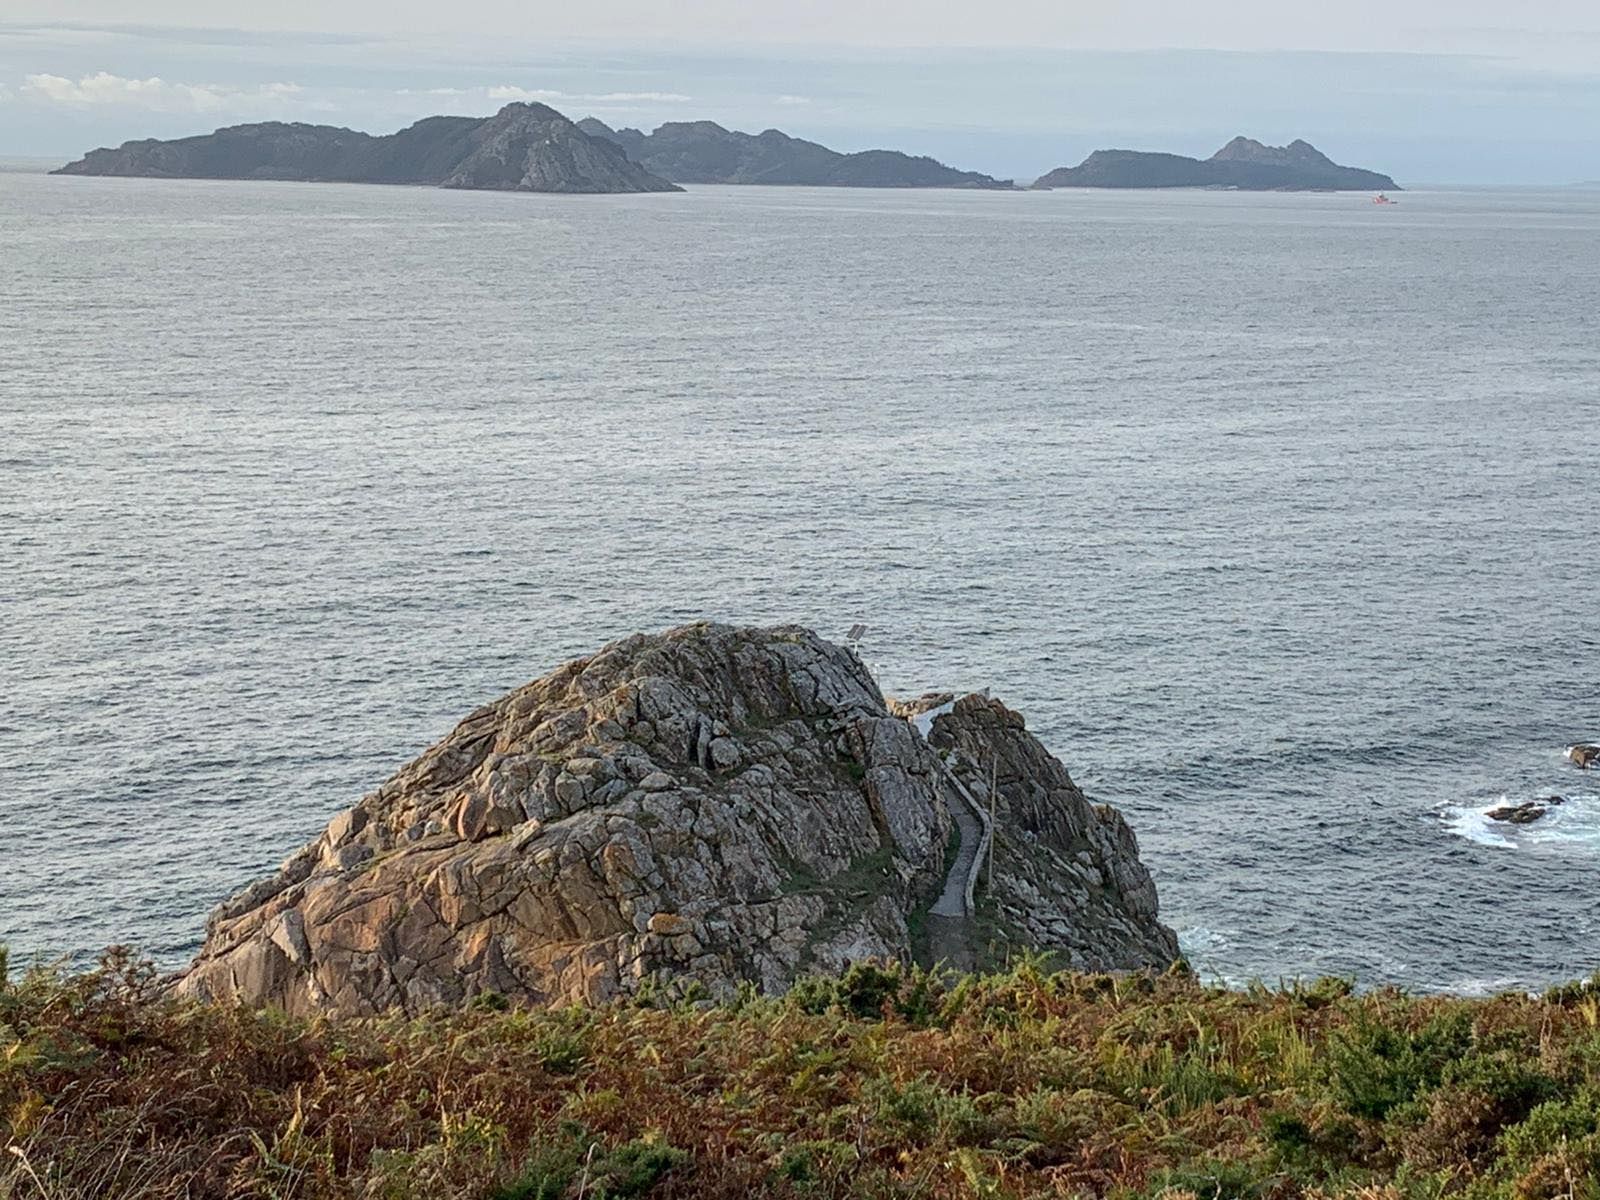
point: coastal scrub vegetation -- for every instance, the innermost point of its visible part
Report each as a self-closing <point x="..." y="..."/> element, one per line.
<point x="886" y="1082"/>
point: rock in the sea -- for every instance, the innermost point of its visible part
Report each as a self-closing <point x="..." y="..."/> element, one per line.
<point x="1584" y="755"/>
<point x="710" y="804"/>
<point x="1525" y="813"/>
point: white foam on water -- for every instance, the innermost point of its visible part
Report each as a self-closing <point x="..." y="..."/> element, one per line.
<point x="1571" y="825"/>
<point x="1474" y="825"/>
<point x="1486" y="987"/>
<point x="1198" y="940"/>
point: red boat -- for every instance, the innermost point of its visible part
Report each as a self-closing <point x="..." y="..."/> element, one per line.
<point x="1380" y="198"/>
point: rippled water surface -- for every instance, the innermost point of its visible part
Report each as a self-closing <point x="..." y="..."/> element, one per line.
<point x="1276" y="515"/>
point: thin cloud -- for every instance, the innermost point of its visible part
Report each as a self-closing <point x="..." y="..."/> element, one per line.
<point x="56" y="34"/>
<point x="71" y="34"/>
<point x="629" y="97"/>
<point x="510" y="92"/>
<point x="787" y="99"/>
<point x="103" y="89"/>
<point x="523" y="95"/>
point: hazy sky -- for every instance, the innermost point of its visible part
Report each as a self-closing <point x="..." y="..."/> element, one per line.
<point x="1428" y="90"/>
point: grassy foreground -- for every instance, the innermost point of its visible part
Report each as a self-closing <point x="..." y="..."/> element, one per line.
<point x="885" y="1083"/>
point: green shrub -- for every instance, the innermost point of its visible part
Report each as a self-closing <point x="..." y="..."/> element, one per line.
<point x="813" y="994"/>
<point x="1288" y="1134"/>
<point x="862" y="991"/>
<point x="1511" y="1079"/>
<point x="1551" y="1125"/>
<point x="632" y="1169"/>
<point x="1216" y="1180"/>
<point x="907" y="1110"/>
<point x="551" y="1171"/>
<point x="1325" y="991"/>
<point x="1374" y="1068"/>
<point x="815" y="1160"/>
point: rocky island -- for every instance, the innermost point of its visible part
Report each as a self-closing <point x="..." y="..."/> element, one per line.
<point x="705" y="152"/>
<point x="1243" y="164"/>
<point x="522" y="148"/>
<point x="710" y="807"/>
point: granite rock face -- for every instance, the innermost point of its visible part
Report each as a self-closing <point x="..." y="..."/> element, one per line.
<point x="523" y="147"/>
<point x="711" y="804"/>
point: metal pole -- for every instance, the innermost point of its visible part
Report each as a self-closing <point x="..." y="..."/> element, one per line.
<point x="994" y="768"/>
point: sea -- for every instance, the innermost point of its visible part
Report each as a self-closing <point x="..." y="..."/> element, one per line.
<point x="1277" y="515"/>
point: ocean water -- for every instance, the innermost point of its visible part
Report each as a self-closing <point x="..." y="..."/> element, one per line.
<point x="1276" y="515"/>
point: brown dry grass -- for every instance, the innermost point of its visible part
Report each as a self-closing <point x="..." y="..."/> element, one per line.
<point x="887" y="1083"/>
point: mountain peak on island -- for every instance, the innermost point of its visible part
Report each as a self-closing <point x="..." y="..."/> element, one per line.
<point x="1243" y="164"/>
<point x="528" y="108"/>
<point x="525" y="147"/>
<point x="1297" y="152"/>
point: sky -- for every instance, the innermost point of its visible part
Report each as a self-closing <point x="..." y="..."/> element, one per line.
<point x="1429" y="91"/>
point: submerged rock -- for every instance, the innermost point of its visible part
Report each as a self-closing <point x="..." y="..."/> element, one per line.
<point x="1525" y="813"/>
<point x="710" y="804"/>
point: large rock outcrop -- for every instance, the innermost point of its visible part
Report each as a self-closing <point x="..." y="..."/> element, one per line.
<point x="711" y="804"/>
<point x="523" y="147"/>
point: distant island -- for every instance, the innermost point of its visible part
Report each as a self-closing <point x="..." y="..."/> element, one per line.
<point x="534" y="148"/>
<point x="1243" y="163"/>
<point x="705" y="152"/>
<point x="522" y="148"/>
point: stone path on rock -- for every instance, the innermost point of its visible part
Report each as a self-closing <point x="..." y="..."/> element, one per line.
<point x="954" y="900"/>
